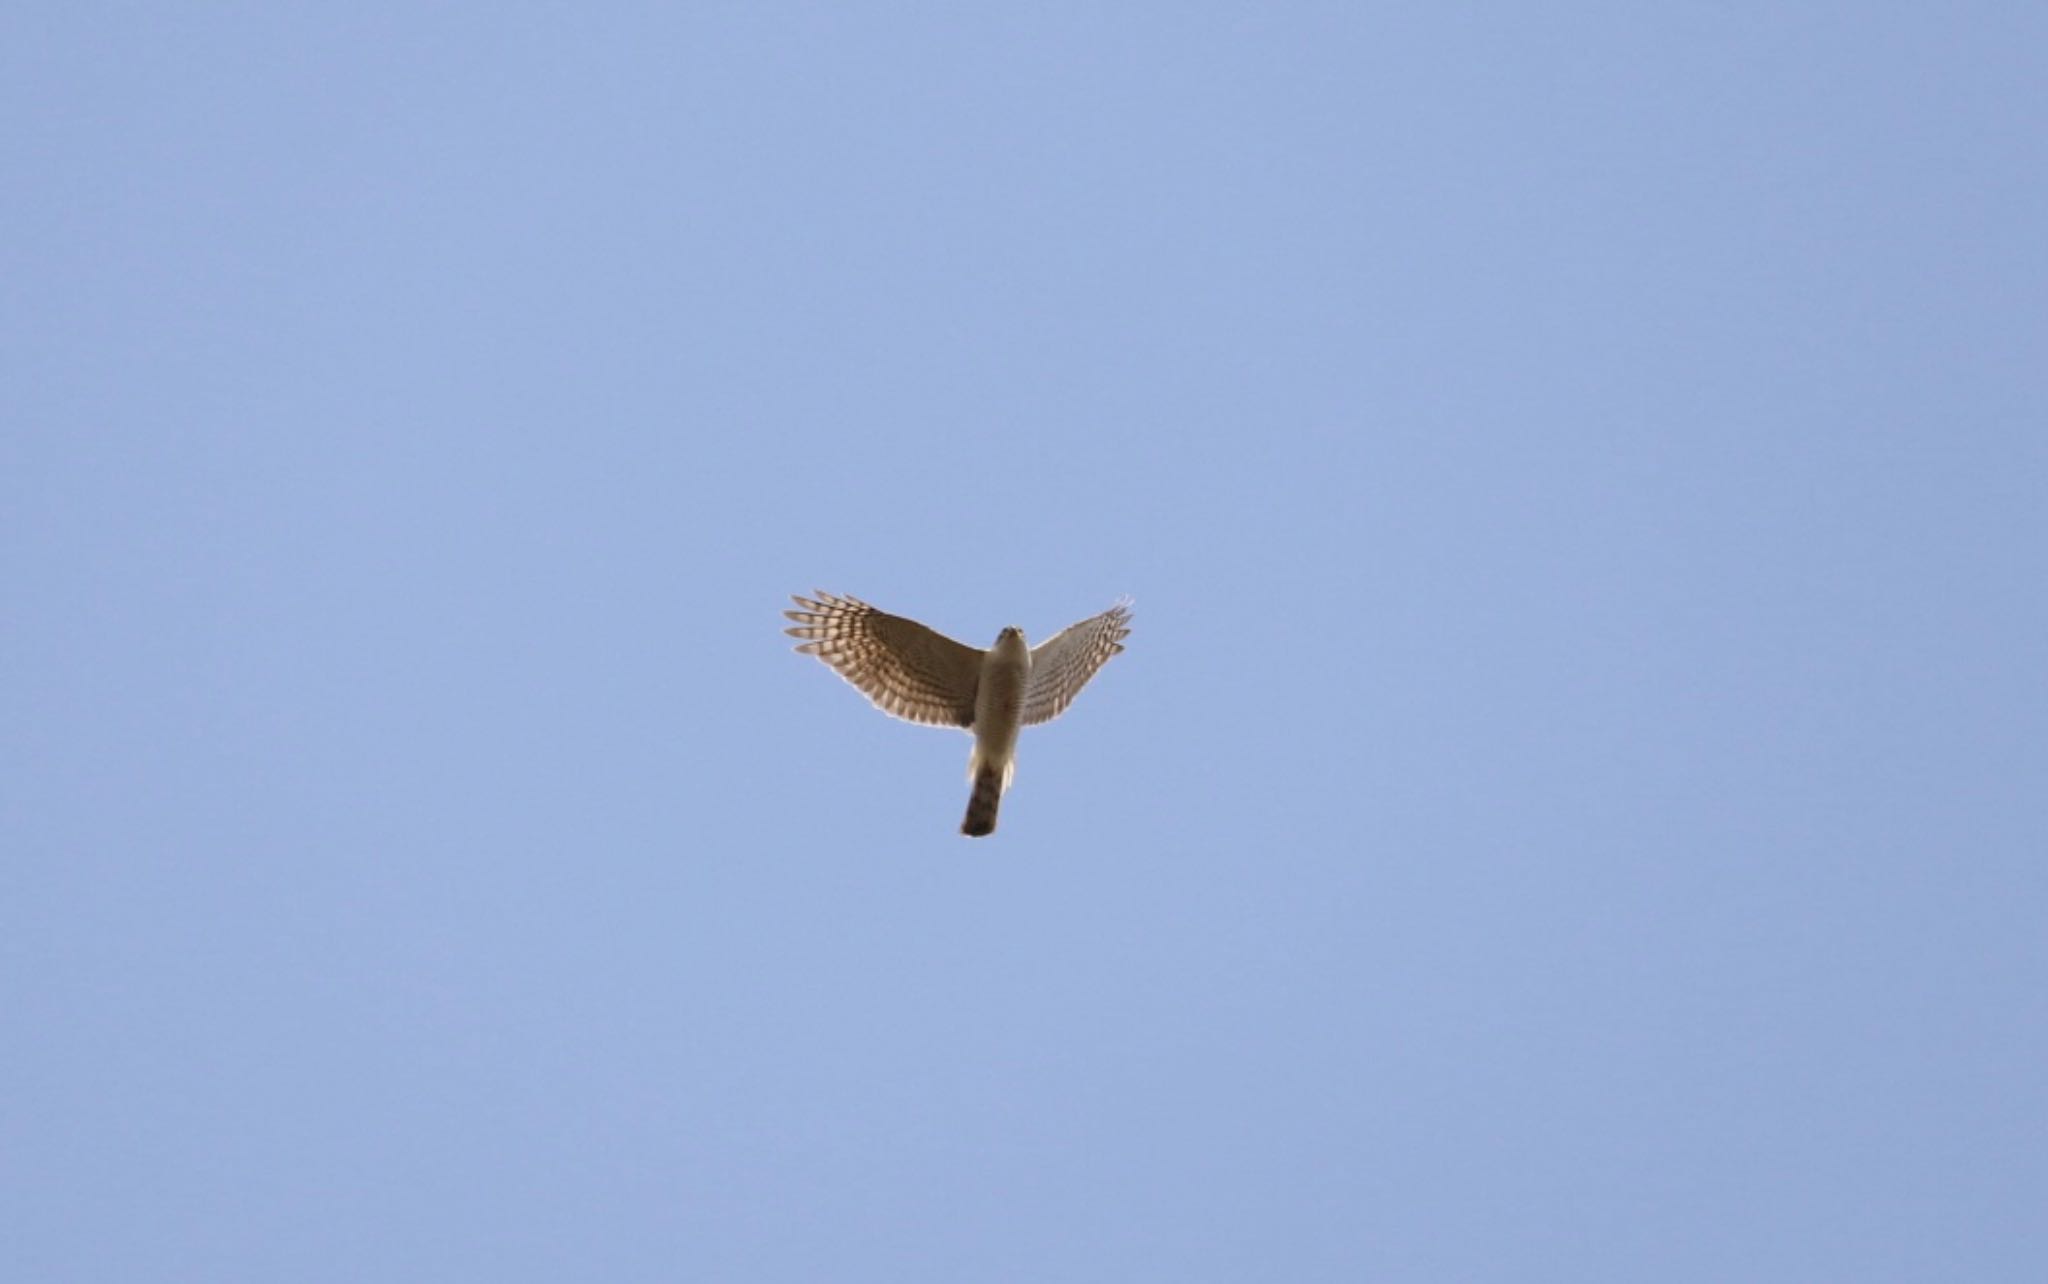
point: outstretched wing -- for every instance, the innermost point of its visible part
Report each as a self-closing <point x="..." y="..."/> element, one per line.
<point x="905" y="668"/>
<point x="1062" y="664"/>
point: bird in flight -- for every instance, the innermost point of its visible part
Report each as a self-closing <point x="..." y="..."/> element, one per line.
<point x="914" y="673"/>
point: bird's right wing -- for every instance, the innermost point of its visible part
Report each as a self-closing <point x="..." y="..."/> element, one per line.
<point x="907" y="669"/>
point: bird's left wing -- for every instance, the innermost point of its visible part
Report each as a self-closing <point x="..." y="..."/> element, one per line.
<point x="1062" y="664"/>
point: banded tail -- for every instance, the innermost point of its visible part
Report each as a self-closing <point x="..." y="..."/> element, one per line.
<point x="982" y="803"/>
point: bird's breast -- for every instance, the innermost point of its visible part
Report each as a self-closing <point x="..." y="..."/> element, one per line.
<point x="999" y="701"/>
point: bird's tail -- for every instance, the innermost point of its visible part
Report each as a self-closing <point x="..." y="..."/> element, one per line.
<point x="982" y="803"/>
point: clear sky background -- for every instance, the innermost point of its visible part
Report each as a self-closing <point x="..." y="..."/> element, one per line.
<point x="1571" y="809"/>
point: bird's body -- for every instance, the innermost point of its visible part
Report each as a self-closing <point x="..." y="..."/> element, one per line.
<point x="922" y="676"/>
<point x="998" y="717"/>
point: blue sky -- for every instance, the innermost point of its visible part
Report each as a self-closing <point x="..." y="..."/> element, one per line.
<point x="1571" y="808"/>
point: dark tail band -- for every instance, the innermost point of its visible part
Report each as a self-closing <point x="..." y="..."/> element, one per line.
<point x="981" y="804"/>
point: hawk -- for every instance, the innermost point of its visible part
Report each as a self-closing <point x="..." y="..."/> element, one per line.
<point x="920" y="675"/>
